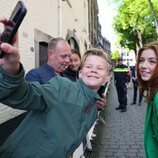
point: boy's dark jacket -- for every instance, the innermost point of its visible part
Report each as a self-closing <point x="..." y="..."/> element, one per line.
<point x="62" y="113"/>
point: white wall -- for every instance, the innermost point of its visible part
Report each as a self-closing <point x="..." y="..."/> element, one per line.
<point x="44" y="16"/>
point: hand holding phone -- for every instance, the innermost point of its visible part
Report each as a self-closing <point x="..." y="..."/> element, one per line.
<point x="13" y="24"/>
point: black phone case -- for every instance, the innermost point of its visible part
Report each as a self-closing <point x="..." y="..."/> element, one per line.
<point x="13" y="24"/>
<point x="101" y="90"/>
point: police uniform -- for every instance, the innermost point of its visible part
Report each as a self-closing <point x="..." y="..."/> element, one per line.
<point x="121" y="77"/>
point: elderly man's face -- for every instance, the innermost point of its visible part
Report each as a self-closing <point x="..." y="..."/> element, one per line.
<point x="60" y="58"/>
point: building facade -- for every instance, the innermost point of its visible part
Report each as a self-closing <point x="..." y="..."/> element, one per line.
<point x="47" y="19"/>
<point x="75" y="21"/>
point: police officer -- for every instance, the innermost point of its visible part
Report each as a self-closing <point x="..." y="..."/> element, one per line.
<point x="121" y="78"/>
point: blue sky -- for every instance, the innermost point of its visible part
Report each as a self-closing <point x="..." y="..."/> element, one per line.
<point x="106" y="13"/>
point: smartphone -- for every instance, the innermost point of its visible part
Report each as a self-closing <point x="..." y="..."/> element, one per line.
<point x="101" y="90"/>
<point x="13" y="24"/>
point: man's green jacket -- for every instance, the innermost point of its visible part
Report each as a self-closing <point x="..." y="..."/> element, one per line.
<point x="62" y="113"/>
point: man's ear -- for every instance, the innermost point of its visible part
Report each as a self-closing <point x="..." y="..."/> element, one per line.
<point x="50" y="54"/>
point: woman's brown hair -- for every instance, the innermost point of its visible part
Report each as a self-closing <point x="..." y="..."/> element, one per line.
<point x="150" y="86"/>
<point x="75" y="51"/>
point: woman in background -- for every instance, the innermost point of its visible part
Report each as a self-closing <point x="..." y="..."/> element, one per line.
<point x="75" y="61"/>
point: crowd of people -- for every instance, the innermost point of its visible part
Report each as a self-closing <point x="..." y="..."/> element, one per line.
<point x="62" y="96"/>
<point x="55" y="103"/>
<point x="61" y="60"/>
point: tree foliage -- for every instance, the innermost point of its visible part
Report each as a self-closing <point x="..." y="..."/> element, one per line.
<point x="115" y="55"/>
<point x="134" y="23"/>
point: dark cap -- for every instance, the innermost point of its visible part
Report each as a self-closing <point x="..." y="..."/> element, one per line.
<point x="120" y="59"/>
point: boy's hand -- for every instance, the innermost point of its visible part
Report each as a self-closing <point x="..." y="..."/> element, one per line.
<point x="10" y="61"/>
<point x="101" y="102"/>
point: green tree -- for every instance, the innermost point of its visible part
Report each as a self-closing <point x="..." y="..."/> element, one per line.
<point x="154" y="14"/>
<point x="135" y="23"/>
<point x="115" y="55"/>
